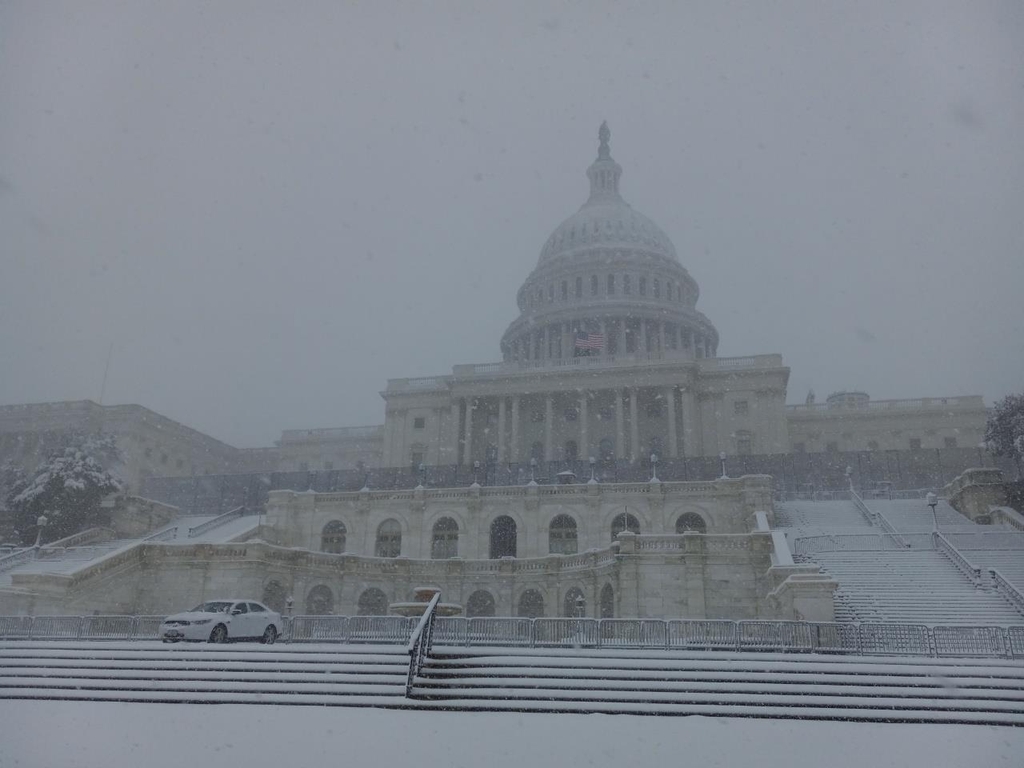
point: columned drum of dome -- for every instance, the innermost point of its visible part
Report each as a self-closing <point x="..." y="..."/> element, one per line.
<point x="608" y="282"/>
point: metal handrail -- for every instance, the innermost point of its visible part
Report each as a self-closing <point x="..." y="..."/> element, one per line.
<point x="419" y="643"/>
<point x="1007" y="590"/>
<point x="209" y="525"/>
<point x="970" y="570"/>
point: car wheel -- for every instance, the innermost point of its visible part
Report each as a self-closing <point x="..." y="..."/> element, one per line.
<point x="219" y="634"/>
<point x="269" y="635"/>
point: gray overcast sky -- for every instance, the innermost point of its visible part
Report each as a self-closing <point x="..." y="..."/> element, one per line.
<point x="270" y="208"/>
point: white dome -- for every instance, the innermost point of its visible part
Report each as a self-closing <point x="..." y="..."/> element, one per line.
<point x="607" y="222"/>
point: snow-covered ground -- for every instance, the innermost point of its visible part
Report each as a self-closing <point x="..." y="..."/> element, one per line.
<point x="111" y="735"/>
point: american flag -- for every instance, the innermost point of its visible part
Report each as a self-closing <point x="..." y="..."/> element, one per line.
<point x="590" y="341"/>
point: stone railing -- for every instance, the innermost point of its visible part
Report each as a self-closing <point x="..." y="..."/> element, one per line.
<point x="652" y="634"/>
<point x="88" y="536"/>
<point x="216" y="522"/>
<point x="862" y="542"/>
<point x="165" y="535"/>
<point x="932" y="403"/>
<point x="330" y="433"/>
<point x="986" y="540"/>
<point x="708" y="364"/>
<point x="16" y="558"/>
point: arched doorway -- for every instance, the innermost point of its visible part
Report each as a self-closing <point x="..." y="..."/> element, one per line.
<point x="389" y="539"/>
<point x="691" y="521"/>
<point x="503" y="537"/>
<point x="562" y="535"/>
<point x="480" y="603"/>
<point x="444" y="540"/>
<point x="531" y="604"/>
<point x="625" y="521"/>
<point x="320" y="601"/>
<point x="607" y="602"/>
<point x="373" y="602"/>
<point x="332" y="537"/>
<point x="274" y="595"/>
<point x="574" y="605"/>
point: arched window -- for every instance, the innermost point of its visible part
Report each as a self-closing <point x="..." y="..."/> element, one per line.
<point x="624" y="521"/>
<point x="389" y="539"/>
<point x="562" y="535"/>
<point x="691" y="521"/>
<point x="531" y="604"/>
<point x="570" y="451"/>
<point x="444" y="541"/>
<point x="320" y="601"/>
<point x="606" y="449"/>
<point x="274" y="596"/>
<point x="537" y="450"/>
<point x="373" y="602"/>
<point x="332" y="537"/>
<point x="607" y="605"/>
<point x="480" y="603"/>
<point x="503" y="537"/>
<point x="574" y="605"/>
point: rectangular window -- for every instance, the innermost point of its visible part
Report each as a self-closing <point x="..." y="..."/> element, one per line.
<point x="657" y="289"/>
<point x="949" y="442"/>
<point x="741" y="408"/>
<point x="593" y="285"/>
<point x="627" y="285"/>
<point x="417" y="458"/>
<point x="799" y="447"/>
<point x="579" y="287"/>
<point x="915" y="443"/>
<point x="565" y="290"/>
<point x="420" y="422"/>
<point x="743" y="446"/>
<point x="643" y="286"/>
<point x="611" y="285"/>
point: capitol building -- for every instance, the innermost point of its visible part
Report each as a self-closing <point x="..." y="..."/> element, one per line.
<point x="610" y="464"/>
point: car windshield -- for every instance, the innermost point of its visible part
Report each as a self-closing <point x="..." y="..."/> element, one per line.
<point x="217" y="606"/>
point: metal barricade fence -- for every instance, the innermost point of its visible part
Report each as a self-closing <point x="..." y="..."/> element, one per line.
<point x="837" y="638"/>
<point x="15" y="627"/>
<point x="380" y="629"/>
<point x="108" y="628"/>
<point x="318" y="629"/>
<point x="702" y="635"/>
<point x="895" y="639"/>
<point x="969" y="641"/>
<point x="56" y="627"/>
<point x="500" y="631"/>
<point x="776" y="636"/>
<point x="148" y="627"/>
<point x="566" y="633"/>
<point x="451" y="630"/>
<point x="633" y="633"/>
<point x="1015" y="636"/>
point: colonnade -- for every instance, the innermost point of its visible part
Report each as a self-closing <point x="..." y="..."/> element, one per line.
<point x="672" y="425"/>
<point x="556" y="341"/>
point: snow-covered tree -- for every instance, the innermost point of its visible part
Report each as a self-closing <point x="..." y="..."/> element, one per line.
<point x="1004" y="433"/>
<point x="67" y="487"/>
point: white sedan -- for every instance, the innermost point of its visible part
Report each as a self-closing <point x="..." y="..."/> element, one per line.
<point x="219" y="621"/>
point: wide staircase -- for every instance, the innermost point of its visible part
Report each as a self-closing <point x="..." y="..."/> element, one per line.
<point x="910" y="586"/>
<point x="834" y="516"/>
<point x="765" y="685"/>
<point x="916" y="515"/>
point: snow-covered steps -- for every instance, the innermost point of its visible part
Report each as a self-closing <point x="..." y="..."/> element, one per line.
<point x="750" y="685"/>
<point x="820" y="515"/>
<point x="916" y="515"/>
<point x="916" y="586"/>
<point x="527" y="680"/>
<point x="238" y="673"/>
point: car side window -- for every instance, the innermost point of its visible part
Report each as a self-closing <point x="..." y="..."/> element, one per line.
<point x="256" y="608"/>
<point x="240" y="607"/>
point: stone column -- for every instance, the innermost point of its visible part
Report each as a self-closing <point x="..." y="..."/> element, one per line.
<point x="673" y="441"/>
<point x="501" y="429"/>
<point x="584" y="451"/>
<point x="455" y="413"/>
<point x="467" y="445"/>
<point x="514" y="447"/>
<point x="604" y="335"/>
<point x="566" y="341"/>
<point x="622" y="338"/>
<point x="547" y="343"/>
<point x="690" y="433"/>
<point x="620" y="431"/>
<point x="634" y="427"/>
<point x="661" y="337"/>
<point x="549" y="416"/>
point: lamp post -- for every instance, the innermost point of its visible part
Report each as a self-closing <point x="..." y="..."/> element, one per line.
<point x="476" y="472"/>
<point x="654" y="467"/>
<point x="721" y="458"/>
<point x="581" y="607"/>
<point x="41" y="522"/>
<point x="593" y="463"/>
<point x="849" y="477"/>
<point x="423" y="473"/>
<point x="932" y="501"/>
<point x="533" y="469"/>
<point x="288" y="603"/>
